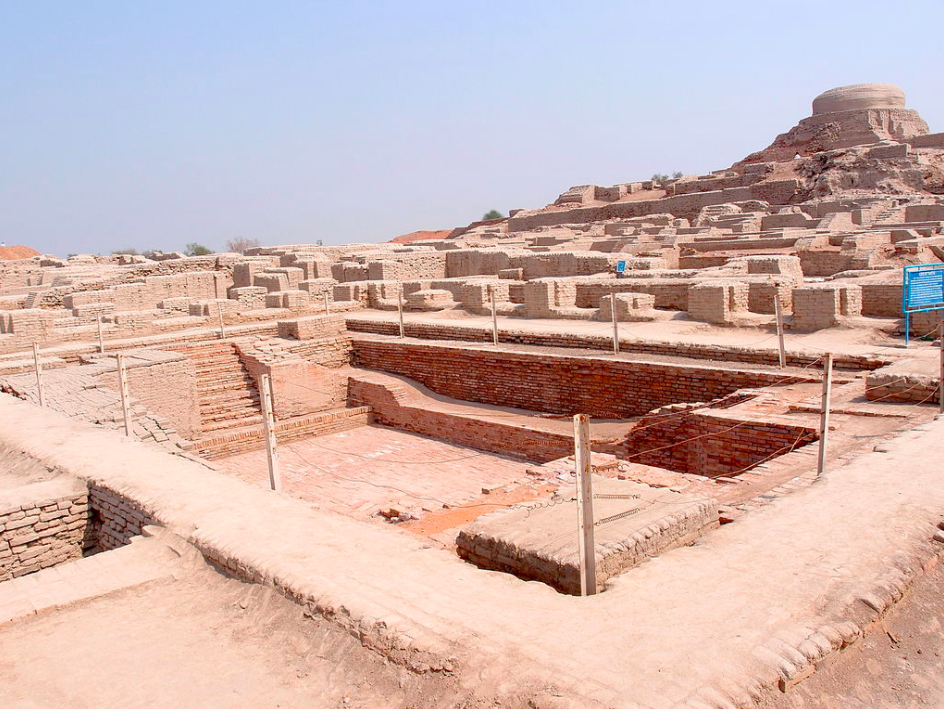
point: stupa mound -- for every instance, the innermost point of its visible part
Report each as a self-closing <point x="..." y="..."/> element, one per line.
<point x="858" y="97"/>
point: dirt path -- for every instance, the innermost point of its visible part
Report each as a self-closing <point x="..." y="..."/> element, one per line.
<point x="901" y="667"/>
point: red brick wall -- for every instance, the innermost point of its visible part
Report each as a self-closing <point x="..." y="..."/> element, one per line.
<point x="497" y="437"/>
<point x="429" y="331"/>
<point x="554" y="383"/>
<point x="711" y="443"/>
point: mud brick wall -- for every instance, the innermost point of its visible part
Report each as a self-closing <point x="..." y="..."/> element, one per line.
<point x="711" y="443"/>
<point x="718" y="353"/>
<point x="165" y="383"/>
<point x="494" y="436"/>
<point x="41" y="525"/>
<point x="554" y="383"/>
<point x="253" y="438"/>
<point x="115" y="518"/>
<point x="671" y="294"/>
<point x="881" y="299"/>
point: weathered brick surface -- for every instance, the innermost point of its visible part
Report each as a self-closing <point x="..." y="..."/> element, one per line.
<point x="711" y="442"/>
<point x="555" y="383"/>
<point x="41" y="525"/>
<point x="510" y="438"/>
<point x="719" y="353"/>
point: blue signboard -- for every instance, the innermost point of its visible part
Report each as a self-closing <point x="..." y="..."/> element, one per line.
<point x="922" y="289"/>
<point x="620" y="268"/>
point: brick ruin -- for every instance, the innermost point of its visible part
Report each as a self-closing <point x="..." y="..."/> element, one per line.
<point x="688" y="271"/>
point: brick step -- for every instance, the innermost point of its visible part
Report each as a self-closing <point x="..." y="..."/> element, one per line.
<point x="227" y="410"/>
<point x="243" y="381"/>
<point x="218" y="427"/>
<point x="252" y="437"/>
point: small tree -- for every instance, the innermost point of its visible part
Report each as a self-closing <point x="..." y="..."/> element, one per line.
<point x="195" y="249"/>
<point x="677" y="175"/>
<point x="493" y="214"/>
<point x="241" y="243"/>
<point x="132" y="252"/>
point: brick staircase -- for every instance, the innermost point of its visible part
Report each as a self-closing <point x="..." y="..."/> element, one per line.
<point x="227" y="395"/>
<point x="249" y="438"/>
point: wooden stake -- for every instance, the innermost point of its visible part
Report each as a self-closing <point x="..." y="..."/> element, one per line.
<point x="219" y="313"/>
<point x="824" y="413"/>
<point x="491" y="295"/>
<point x="39" y="375"/>
<point x="123" y="390"/>
<point x="327" y="308"/>
<point x="779" y="314"/>
<point x="400" y="309"/>
<point x="585" y="542"/>
<point x="101" y="338"/>
<point x="616" y="342"/>
<point x="268" y="423"/>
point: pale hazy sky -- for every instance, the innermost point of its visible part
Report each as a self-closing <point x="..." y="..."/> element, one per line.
<point x="151" y="124"/>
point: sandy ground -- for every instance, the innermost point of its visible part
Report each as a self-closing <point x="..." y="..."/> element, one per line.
<point x="898" y="666"/>
<point x="205" y="641"/>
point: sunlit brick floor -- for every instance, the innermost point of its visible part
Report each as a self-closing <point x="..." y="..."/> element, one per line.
<point x="361" y="471"/>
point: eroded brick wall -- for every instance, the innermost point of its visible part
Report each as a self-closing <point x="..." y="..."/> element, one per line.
<point x="555" y="383"/>
<point x="711" y="443"/>
<point x="41" y="525"/>
<point x="115" y="518"/>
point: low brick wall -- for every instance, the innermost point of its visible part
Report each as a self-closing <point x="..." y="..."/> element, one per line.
<point x="115" y="518"/>
<point x="41" y="525"/>
<point x="710" y="442"/>
<point x="510" y="439"/>
<point x="253" y="437"/>
<point x="718" y="353"/>
<point x="600" y="388"/>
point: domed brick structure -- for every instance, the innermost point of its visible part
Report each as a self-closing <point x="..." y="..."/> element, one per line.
<point x="844" y="117"/>
<point x="858" y="97"/>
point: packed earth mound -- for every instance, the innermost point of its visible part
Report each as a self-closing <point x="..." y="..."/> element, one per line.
<point x="12" y="253"/>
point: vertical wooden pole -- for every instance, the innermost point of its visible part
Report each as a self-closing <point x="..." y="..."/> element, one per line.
<point x="779" y="314"/>
<point x="400" y="310"/>
<point x="616" y="343"/>
<point x="491" y="295"/>
<point x="219" y="313"/>
<point x="824" y="413"/>
<point x="39" y="375"/>
<point x="585" y="542"/>
<point x="101" y="338"/>
<point x="327" y="309"/>
<point x="268" y="423"/>
<point x="940" y="388"/>
<point x="123" y="390"/>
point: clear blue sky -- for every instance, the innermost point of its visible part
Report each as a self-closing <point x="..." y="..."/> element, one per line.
<point x="153" y="124"/>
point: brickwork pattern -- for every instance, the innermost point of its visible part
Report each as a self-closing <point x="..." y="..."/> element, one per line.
<point x="42" y="525"/>
<point x="555" y="383"/>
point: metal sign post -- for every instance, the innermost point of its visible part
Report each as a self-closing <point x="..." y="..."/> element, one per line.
<point x="585" y="540"/>
<point x="922" y="289"/>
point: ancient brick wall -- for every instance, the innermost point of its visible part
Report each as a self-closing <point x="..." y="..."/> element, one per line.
<point x="115" y="518"/>
<point x="482" y="434"/>
<point x="165" y="383"/>
<point x="554" y="383"/>
<point x="41" y="525"/>
<point x="711" y="443"/>
<point x="604" y="342"/>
